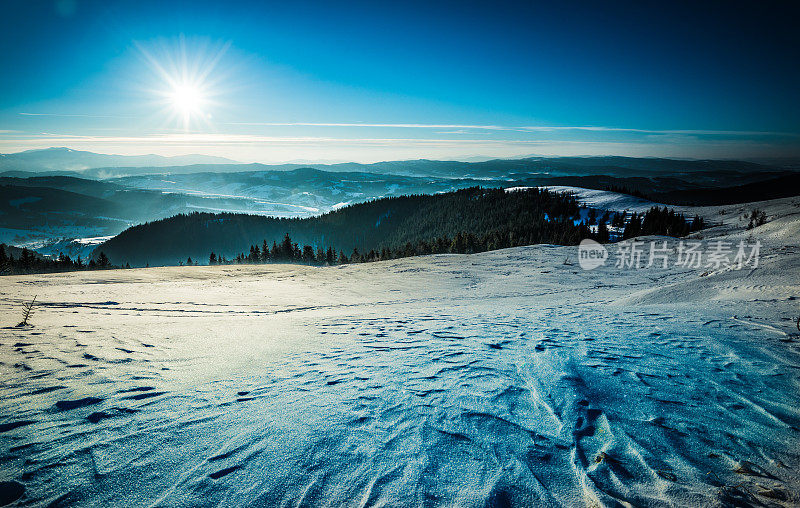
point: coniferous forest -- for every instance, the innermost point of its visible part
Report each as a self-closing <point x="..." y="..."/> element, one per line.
<point x="27" y="261"/>
<point x="465" y="221"/>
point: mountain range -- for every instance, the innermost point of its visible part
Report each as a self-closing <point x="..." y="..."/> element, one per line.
<point x="60" y="159"/>
<point x="46" y="210"/>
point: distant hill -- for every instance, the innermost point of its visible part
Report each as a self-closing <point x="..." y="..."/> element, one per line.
<point x="779" y="187"/>
<point x="18" y="200"/>
<point x="16" y="252"/>
<point x="620" y="167"/>
<point x="66" y="159"/>
<point x="468" y="220"/>
<point x="92" y="165"/>
<point x="70" y="208"/>
<point x="35" y="213"/>
<point x="44" y="209"/>
<point x="496" y="217"/>
<point x="29" y="174"/>
<point x="308" y="189"/>
<point x="552" y="166"/>
<point x="93" y="188"/>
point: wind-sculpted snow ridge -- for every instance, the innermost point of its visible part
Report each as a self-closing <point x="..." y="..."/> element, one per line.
<point x="508" y="378"/>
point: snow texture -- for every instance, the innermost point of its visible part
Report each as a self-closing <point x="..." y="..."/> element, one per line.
<point x="508" y="378"/>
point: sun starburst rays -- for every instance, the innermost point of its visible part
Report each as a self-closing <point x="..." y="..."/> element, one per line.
<point x="188" y="82"/>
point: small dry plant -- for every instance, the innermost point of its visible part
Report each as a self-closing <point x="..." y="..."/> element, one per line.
<point x="27" y="310"/>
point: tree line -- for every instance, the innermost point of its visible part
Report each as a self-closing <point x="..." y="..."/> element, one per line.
<point x="464" y="221"/>
<point x="496" y="218"/>
<point x="661" y="221"/>
<point x="28" y="262"/>
<point x="656" y="221"/>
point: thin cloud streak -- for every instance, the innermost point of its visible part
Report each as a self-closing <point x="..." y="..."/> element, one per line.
<point x="377" y="125"/>
<point x="254" y="139"/>
<point x="64" y="115"/>
<point x="524" y="128"/>
<point x="475" y="127"/>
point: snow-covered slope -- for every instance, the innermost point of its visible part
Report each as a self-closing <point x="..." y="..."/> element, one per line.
<point x="508" y="378"/>
<point x="606" y="200"/>
<point x="602" y="199"/>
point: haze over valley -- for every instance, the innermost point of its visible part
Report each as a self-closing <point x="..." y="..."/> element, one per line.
<point x="55" y="210"/>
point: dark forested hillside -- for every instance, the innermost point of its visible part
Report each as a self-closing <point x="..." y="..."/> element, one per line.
<point x="496" y="217"/>
<point x="52" y="210"/>
<point x="464" y="221"/>
<point x="781" y="186"/>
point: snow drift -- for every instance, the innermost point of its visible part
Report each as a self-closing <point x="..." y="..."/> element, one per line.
<point x="508" y="378"/>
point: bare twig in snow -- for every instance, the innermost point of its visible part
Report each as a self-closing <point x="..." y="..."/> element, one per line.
<point x="27" y="310"/>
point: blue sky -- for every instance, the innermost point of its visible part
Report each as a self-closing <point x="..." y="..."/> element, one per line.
<point x="261" y="81"/>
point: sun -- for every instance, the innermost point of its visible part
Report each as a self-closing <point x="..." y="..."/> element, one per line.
<point x="187" y="80"/>
<point x="187" y="100"/>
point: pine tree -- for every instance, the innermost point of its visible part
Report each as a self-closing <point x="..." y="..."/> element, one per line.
<point x="602" y="233"/>
<point x="103" y="261"/>
<point x="286" y="249"/>
<point x="255" y="254"/>
<point x="308" y="254"/>
<point x="27" y="260"/>
<point x="458" y="246"/>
